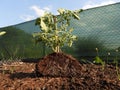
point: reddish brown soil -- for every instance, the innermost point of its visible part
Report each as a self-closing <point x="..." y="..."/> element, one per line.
<point x="21" y="76"/>
<point x="59" y="65"/>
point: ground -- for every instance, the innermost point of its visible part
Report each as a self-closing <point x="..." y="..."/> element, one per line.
<point x="22" y="76"/>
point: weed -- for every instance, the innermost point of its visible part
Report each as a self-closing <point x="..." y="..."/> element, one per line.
<point x="116" y="65"/>
<point x="98" y="60"/>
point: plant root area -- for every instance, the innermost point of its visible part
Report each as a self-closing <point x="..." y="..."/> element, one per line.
<point x="68" y="74"/>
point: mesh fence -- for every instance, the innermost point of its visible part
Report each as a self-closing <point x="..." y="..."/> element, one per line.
<point x="98" y="28"/>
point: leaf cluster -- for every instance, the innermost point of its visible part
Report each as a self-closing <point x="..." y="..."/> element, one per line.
<point x="54" y="29"/>
<point x="98" y="60"/>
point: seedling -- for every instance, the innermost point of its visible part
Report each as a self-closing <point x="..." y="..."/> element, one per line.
<point x="116" y="64"/>
<point x="55" y="32"/>
<point x="99" y="60"/>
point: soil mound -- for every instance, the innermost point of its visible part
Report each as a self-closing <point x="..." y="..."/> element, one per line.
<point x="58" y="65"/>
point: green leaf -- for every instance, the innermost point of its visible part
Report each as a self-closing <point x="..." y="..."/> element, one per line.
<point x="71" y="30"/>
<point x="76" y="16"/>
<point x="37" y="21"/>
<point x="70" y="44"/>
<point x="78" y="11"/>
<point x="61" y="10"/>
<point x="2" y="33"/>
<point x="98" y="60"/>
<point x="43" y="25"/>
<point x="74" y="37"/>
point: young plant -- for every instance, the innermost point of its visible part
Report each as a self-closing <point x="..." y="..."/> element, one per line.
<point x="99" y="60"/>
<point x="55" y="32"/>
<point x="117" y="70"/>
<point x="116" y="65"/>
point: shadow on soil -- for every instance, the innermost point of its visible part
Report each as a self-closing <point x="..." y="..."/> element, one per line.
<point x="22" y="75"/>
